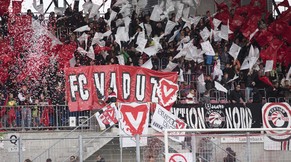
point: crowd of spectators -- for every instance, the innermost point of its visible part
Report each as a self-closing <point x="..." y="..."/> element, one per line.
<point x="48" y="88"/>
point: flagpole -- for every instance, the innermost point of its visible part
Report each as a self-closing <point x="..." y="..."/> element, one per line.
<point x="137" y="148"/>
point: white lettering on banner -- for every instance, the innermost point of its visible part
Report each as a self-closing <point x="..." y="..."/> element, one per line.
<point x="126" y="85"/>
<point x="238" y="117"/>
<point x="113" y="81"/>
<point x="235" y="117"/>
<point x="140" y="87"/>
<point x="194" y="116"/>
<point x="154" y="82"/>
<point x="134" y="120"/>
<point x="99" y="80"/>
<point x="84" y="94"/>
<point x="73" y="87"/>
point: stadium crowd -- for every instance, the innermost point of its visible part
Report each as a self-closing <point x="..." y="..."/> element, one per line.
<point x="27" y="80"/>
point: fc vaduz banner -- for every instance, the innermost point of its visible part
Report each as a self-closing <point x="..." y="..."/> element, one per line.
<point x="131" y="84"/>
<point x="204" y="116"/>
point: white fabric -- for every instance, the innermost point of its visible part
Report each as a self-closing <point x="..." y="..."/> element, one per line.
<point x="169" y="27"/>
<point x="219" y="87"/>
<point x="174" y="36"/>
<point x="120" y="59"/>
<point x="73" y="62"/>
<point x="234" y="50"/>
<point x="216" y="23"/>
<point x="156" y="13"/>
<point x="205" y="33"/>
<point x="201" y="79"/>
<point x="164" y="119"/>
<point x="148" y="64"/>
<point x="207" y="48"/>
<point x="82" y="29"/>
<point x="94" y="11"/>
<point x="224" y="31"/>
<point x="269" y="65"/>
<point x="170" y="67"/>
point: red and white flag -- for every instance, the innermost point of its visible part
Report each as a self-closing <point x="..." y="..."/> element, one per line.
<point x="133" y="121"/>
<point x="107" y="116"/>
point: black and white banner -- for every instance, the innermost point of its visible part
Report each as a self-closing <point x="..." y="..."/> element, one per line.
<point x="205" y="116"/>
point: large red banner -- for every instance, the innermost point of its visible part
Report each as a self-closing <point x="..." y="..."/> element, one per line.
<point x="131" y="84"/>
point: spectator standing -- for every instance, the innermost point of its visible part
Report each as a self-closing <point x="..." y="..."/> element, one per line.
<point x="112" y="97"/>
<point x="236" y="96"/>
<point x="25" y="100"/>
<point x="230" y="155"/>
<point x="12" y="103"/>
<point x="191" y="97"/>
<point x="250" y="84"/>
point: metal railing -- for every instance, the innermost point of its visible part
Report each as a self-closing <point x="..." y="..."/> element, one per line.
<point x="32" y="117"/>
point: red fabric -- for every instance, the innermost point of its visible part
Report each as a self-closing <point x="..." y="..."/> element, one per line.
<point x="260" y="3"/>
<point x="16" y="6"/>
<point x="266" y="80"/>
<point x="221" y="6"/>
<point x="44" y="120"/>
<point x="235" y="3"/>
<point x="236" y="22"/>
<point x="270" y="53"/>
<point x="264" y="37"/>
<point x="65" y="53"/>
<point x="4" y="4"/>
<point x="222" y="16"/>
<point x="98" y="49"/>
<point x="251" y="25"/>
<point x="123" y="74"/>
<point x="285" y="3"/>
<point x="11" y="116"/>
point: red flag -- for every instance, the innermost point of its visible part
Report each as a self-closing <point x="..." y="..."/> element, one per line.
<point x="223" y="16"/>
<point x="235" y="3"/>
<point x="4" y="4"/>
<point x="11" y="116"/>
<point x="251" y="25"/>
<point x="270" y="53"/>
<point x="98" y="49"/>
<point x="221" y="6"/>
<point x="264" y="37"/>
<point x="45" y="117"/>
<point x="266" y="80"/>
<point x="285" y="3"/>
<point x="16" y="6"/>
<point x="236" y="22"/>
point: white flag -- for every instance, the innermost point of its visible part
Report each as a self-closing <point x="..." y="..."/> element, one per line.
<point x="201" y="79"/>
<point x="94" y="11"/>
<point x="120" y="59"/>
<point x="148" y="64"/>
<point x="73" y="62"/>
<point x="234" y="50"/>
<point x="224" y="31"/>
<point x="216" y="23"/>
<point x="181" y="76"/>
<point x="169" y="27"/>
<point x="269" y="65"/>
<point x="219" y="87"/>
<point x="170" y="67"/>
<point x="207" y="48"/>
<point x="288" y="76"/>
<point x="205" y="33"/>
